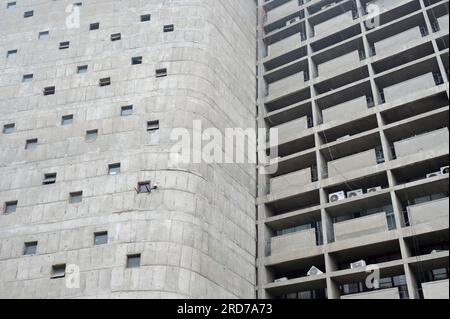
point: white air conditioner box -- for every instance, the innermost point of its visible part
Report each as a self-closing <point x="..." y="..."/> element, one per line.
<point x="374" y="189"/>
<point x="435" y="174"/>
<point x="292" y="21"/>
<point x="281" y="279"/>
<point x="358" y="264"/>
<point x="314" y="271"/>
<point x="355" y="193"/>
<point x="335" y="197"/>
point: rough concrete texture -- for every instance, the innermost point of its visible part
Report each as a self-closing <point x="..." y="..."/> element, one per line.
<point x="196" y="232"/>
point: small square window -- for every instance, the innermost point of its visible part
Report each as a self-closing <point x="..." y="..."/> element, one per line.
<point x="31" y="144"/>
<point x="116" y="37"/>
<point x="136" y="60"/>
<point x="169" y="28"/>
<point x="9" y="128"/>
<point x="161" y="73"/>
<point x="28" y="14"/>
<point x="146" y="17"/>
<point x="105" y="82"/>
<point x="27" y="78"/>
<point x="76" y="197"/>
<point x="67" y="119"/>
<point x="58" y="271"/>
<point x="44" y="35"/>
<point x="126" y="110"/>
<point x="64" y="45"/>
<point x="11" y="53"/>
<point x="10" y="207"/>
<point x="30" y="248"/>
<point x="11" y="5"/>
<point x="91" y="135"/>
<point x="49" y="179"/>
<point x="82" y="69"/>
<point x="78" y="4"/>
<point x="100" y="238"/>
<point x="94" y="26"/>
<point x="133" y="261"/>
<point x="50" y="90"/>
<point x="152" y="126"/>
<point x="144" y="187"/>
<point x="114" y="169"/>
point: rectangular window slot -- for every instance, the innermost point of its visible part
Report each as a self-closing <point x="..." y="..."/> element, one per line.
<point x="49" y="179"/>
<point x="169" y="28"/>
<point x="64" y="45"/>
<point x="100" y="238"/>
<point x="136" y="60"/>
<point x="67" y="119"/>
<point x="114" y="169"/>
<point x="58" y="271"/>
<point x="133" y="261"/>
<point x="10" y="207"/>
<point x="31" y="144"/>
<point x="161" y="73"/>
<point x="126" y="110"/>
<point x="9" y="128"/>
<point x="76" y="197"/>
<point x="116" y="37"/>
<point x="50" y="90"/>
<point x="30" y="248"/>
<point x="105" y="82"/>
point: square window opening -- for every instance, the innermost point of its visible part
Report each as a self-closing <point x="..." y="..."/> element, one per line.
<point x="10" y="207"/>
<point x="58" y="271"/>
<point x="49" y="178"/>
<point x="100" y="238"/>
<point x="9" y="128"/>
<point x="133" y="261"/>
<point x="76" y="197"/>
<point x="30" y="248"/>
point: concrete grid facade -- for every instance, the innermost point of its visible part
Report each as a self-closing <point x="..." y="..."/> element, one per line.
<point x="361" y="106"/>
<point x="192" y="237"/>
<point x="359" y="92"/>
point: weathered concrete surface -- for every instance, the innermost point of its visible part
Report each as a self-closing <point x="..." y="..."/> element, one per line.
<point x="436" y="289"/>
<point x="392" y="293"/>
<point x="360" y="227"/>
<point x="435" y="140"/>
<point x="352" y="163"/>
<point x="196" y="233"/>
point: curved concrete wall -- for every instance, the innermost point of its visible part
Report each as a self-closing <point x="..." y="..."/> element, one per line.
<point x="196" y="233"/>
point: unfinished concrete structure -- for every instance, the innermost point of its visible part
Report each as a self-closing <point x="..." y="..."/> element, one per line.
<point x="359" y="92"/>
<point x="86" y="114"/>
<point x="95" y="105"/>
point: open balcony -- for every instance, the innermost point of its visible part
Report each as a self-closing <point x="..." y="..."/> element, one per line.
<point x="286" y="86"/>
<point x="282" y="11"/>
<point x="429" y="212"/>
<point x="360" y="227"/>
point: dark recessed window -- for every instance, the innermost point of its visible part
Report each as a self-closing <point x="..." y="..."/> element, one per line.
<point x="27" y="78"/>
<point x="82" y="69"/>
<point x="9" y="128"/>
<point x="91" y="135"/>
<point x="94" y="26"/>
<point x="28" y="14"/>
<point x="67" y="119"/>
<point x="133" y="261"/>
<point x="126" y="110"/>
<point x="144" y="187"/>
<point x="49" y="178"/>
<point x="146" y="17"/>
<point x="11" y="5"/>
<point x="10" y="207"/>
<point x="76" y="197"/>
<point x="31" y="144"/>
<point x="116" y="37"/>
<point x="161" y="73"/>
<point x="114" y="169"/>
<point x="11" y="53"/>
<point x="30" y="248"/>
<point x="44" y="35"/>
<point x="152" y="126"/>
<point x="64" y="45"/>
<point x="169" y="28"/>
<point x="105" y="82"/>
<point x="58" y="271"/>
<point x="50" y="90"/>
<point x="136" y="60"/>
<point x="100" y="238"/>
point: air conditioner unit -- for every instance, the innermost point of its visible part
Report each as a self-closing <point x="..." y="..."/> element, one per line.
<point x="292" y="21"/>
<point x="444" y="170"/>
<point x="314" y="271"/>
<point x="435" y="174"/>
<point x="281" y="279"/>
<point x="436" y="251"/>
<point x="358" y="264"/>
<point x="335" y="197"/>
<point x="343" y="138"/>
<point x="355" y="193"/>
<point x="374" y="189"/>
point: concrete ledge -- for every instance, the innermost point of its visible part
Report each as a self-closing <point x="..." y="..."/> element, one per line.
<point x="392" y="293"/>
<point x="436" y="289"/>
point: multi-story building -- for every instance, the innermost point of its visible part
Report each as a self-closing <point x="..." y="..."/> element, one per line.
<point x="93" y="207"/>
<point x="359" y="92"/>
<point x="86" y="112"/>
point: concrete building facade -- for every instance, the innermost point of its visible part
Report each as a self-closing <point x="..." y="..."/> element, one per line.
<point x="359" y="92"/>
<point x="95" y="104"/>
<point x="93" y="207"/>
